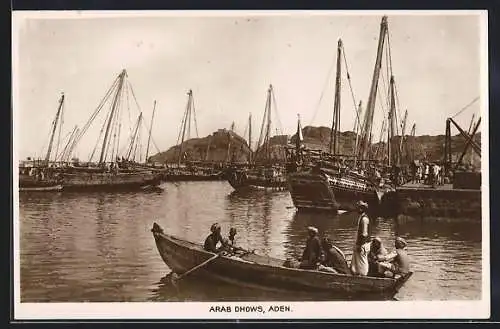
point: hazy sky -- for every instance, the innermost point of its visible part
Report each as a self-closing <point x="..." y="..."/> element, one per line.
<point x="229" y="62"/>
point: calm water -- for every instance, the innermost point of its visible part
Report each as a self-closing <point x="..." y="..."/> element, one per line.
<point x="98" y="246"/>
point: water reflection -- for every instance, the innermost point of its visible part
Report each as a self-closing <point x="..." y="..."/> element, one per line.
<point x="98" y="246"/>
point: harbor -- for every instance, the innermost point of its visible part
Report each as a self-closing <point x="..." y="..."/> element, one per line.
<point x="93" y="257"/>
<point x="332" y="181"/>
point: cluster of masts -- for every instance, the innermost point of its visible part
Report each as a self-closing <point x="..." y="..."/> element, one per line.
<point x="108" y="144"/>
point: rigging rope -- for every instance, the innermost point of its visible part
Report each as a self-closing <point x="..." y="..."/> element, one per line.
<point x="194" y="113"/>
<point x="350" y="86"/>
<point x="96" y="111"/>
<point x="323" y="91"/>
<point x="464" y="108"/>
<point x="59" y="132"/>
<point x="280" y="126"/>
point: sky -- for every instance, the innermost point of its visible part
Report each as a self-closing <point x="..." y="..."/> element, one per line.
<point x="229" y="60"/>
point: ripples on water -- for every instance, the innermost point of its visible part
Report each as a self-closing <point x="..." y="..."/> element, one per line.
<point x="98" y="246"/>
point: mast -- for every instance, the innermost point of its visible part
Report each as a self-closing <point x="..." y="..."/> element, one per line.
<point x="370" y="107"/>
<point x="56" y="120"/>
<point x="134" y="137"/>
<point x="391" y="156"/>
<point x="186" y="116"/>
<point x="250" y="137"/>
<point x="268" y="128"/>
<point x="150" y="130"/>
<point x="68" y="143"/>
<point x="336" y="106"/>
<point x="412" y="150"/>
<point x="357" y="126"/>
<point x="110" y="120"/>
<point x="403" y="131"/>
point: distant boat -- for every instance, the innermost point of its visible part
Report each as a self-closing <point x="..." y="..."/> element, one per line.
<point x="110" y="173"/>
<point x="262" y="172"/>
<point x="42" y="175"/>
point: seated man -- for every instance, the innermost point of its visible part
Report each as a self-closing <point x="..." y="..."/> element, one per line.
<point x="333" y="258"/>
<point x="397" y="262"/>
<point x="311" y="256"/>
<point x="377" y="250"/>
<point x="213" y="239"/>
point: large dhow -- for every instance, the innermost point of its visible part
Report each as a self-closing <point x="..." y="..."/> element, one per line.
<point x="265" y="169"/>
<point x="331" y="181"/>
<point x="252" y="271"/>
<point x="114" y="169"/>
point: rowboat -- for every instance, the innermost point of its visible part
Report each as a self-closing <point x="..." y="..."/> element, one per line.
<point x="267" y="274"/>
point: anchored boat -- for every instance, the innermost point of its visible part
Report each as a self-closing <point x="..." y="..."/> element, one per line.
<point x="268" y="274"/>
<point x="263" y="172"/>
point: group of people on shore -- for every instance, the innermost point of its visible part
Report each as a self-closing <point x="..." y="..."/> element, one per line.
<point x="369" y="258"/>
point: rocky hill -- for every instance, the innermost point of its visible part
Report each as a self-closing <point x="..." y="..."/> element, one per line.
<point x="215" y="147"/>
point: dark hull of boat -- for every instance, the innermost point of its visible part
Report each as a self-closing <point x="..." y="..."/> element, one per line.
<point x="32" y="183"/>
<point x="320" y="192"/>
<point x="267" y="274"/>
<point x="109" y="181"/>
<point x="239" y="180"/>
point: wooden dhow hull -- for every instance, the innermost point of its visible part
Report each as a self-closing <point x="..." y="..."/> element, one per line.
<point x="268" y="274"/>
<point x="109" y="180"/>
<point x="323" y="192"/>
<point x="244" y="180"/>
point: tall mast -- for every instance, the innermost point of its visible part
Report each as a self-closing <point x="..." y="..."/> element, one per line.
<point x="186" y="117"/>
<point x="111" y="116"/>
<point x="403" y="132"/>
<point x="336" y="106"/>
<point x="250" y="137"/>
<point x="357" y="126"/>
<point x="56" y="120"/>
<point x="370" y="107"/>
<point x="391" y="156"/>
<point x="268" y="128"/>
<point x="150" y="130"/>
<point x="134" y="137"/>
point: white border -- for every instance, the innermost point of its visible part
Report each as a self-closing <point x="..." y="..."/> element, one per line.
<point x="300" y="310"/>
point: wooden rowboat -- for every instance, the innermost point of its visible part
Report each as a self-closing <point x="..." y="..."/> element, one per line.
<point x="268" y="274"/>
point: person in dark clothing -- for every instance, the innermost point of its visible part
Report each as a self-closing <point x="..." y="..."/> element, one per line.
<point x="333" y="258"/>
<point x="312" y="252"/>
<point x="213" y="239"/>
<point x="377" y="251"/>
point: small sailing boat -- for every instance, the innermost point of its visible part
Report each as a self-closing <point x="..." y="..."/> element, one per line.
<point x="263" y="171"/>
<point x="111" y="172"/>
<point x="331" y="181"/>
<point x="184" y="169"/>
<point x="42" y="175"/>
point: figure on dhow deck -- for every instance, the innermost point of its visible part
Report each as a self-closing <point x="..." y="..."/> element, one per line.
<point x="213" y="239"/>
<point x="397" y="262"/>
<point x="333" y="258"/>
<point x="312" y="252"/>
<point x="359" y="262"/>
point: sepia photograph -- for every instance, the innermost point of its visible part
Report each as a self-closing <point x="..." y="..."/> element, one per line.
<point x="250" y="164"/>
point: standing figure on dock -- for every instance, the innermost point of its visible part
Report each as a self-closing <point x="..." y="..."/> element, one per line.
<point x="312" y="252"/>
<point x="359" y="262"/>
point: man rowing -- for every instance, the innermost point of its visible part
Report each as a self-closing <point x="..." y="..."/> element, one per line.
<point x="213" y="239"/>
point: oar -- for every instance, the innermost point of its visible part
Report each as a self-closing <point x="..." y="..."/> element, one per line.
<point x="183" y="275"/>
